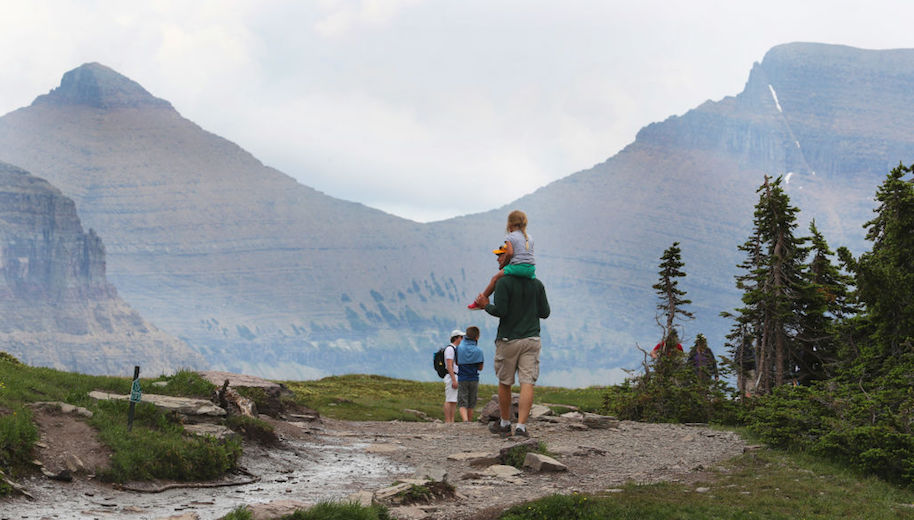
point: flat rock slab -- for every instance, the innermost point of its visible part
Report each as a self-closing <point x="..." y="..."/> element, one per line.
<point x="182" y="405"/>
<point x="469" y="455"/>
<point x="238" y="380"/>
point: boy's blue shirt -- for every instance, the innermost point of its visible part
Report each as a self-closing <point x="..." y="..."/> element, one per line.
<point x="469" y="356"/>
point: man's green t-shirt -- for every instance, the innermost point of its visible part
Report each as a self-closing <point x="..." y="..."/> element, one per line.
<point x="519" y="303"/>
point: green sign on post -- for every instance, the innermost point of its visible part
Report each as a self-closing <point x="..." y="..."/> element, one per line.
<point x="135" y="396"/>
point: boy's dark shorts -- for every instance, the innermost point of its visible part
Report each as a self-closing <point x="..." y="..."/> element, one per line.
<point x="466" y="394"/>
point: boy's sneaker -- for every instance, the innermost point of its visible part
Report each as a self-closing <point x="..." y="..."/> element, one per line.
<point x="474" y="307"/>
<point x="521" y="433"/>
<point x="496" y="428"/>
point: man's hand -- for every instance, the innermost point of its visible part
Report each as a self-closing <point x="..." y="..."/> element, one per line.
<point x="453" y="382"/>
<point x="482" y="300"/>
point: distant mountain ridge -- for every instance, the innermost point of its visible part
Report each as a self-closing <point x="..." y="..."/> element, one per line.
<point x="264" y="275"/>
<point x="56" y="306"/>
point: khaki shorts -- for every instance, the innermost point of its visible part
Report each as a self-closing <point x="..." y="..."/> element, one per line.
<point x="517" y="355"/>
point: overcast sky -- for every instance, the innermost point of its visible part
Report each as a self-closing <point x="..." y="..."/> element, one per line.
<point x="426" y="109"/>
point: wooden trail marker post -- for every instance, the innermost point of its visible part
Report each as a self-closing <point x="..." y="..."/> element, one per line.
<point x="135" y="396"/>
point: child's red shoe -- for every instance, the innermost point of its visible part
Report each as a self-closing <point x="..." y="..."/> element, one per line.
<point x="474" y="307"/>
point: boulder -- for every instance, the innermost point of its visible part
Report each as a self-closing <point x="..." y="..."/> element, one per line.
<point x="271" y="403"/>
<point x="491" y="412"/>
<point x="539" y="462"/>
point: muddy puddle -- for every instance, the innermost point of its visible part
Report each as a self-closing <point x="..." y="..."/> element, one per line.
<point x="330" y="469"/>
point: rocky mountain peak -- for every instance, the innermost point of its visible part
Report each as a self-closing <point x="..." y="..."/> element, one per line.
<point x="96" y="85"/>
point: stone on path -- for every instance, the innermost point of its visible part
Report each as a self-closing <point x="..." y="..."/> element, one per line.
<point x="539" y="462"/>
<point x="468" y="455"/>
<point x="501" y="471"/>
<point x="600" y="422"/>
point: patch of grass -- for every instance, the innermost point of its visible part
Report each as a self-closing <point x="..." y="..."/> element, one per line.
<point x="17" y="439"/>
<point x="185" y="383"/>
<point x="330" y="510"/>
<point x="156" y="448"/>
<point x="239" y="513"/>
<point x="253" y="429"/>
<point x="369" y="397"/>
<point x="379" y="398"/>
<point x="588" y="399"/>
<point x="765" y="484"/>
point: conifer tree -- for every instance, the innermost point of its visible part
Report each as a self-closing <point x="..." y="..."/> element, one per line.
<point x="885" y="275"/>
<point x="672" y="298"/>
<point x="823" y="300"/>
<point x="773" y="284"/>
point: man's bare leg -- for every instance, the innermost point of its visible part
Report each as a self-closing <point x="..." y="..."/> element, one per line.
<point x="504" y="401"/>
<point x="524" y="403"/>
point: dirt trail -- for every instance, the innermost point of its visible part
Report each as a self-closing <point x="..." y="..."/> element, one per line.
<point x="331" y="459"/>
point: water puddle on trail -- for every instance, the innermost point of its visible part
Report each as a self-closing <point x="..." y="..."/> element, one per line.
<point x="301" y="471"/>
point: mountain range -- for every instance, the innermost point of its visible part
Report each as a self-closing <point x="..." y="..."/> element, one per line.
<point x="261" y="274"/>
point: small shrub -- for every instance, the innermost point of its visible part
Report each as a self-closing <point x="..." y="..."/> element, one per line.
<point x="670" y="391"/>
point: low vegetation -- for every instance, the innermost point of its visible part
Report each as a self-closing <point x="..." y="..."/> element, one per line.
<point x="379" y="398"/>
<point x="155" y="448"/>
<point x="329" y="510"/>
<point x="763" y="484"/>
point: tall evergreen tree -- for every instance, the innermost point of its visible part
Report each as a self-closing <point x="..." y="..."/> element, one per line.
<point x="773" y="284"/>
<point x="885" y="274"/>
<point x="823" y="300"/>
<point x="672" y="298"/>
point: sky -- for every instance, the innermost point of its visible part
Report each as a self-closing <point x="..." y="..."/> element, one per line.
<point x="426" y="109"/>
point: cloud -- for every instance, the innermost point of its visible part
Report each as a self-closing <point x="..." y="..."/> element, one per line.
<point x="342" y="17"/>
<point x="425" y="109"/>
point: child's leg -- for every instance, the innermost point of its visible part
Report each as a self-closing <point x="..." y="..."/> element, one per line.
<point x="491" y="287"/>
<point x="487" y="291"/>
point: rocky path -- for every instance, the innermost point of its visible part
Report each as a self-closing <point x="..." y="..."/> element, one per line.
<point x="332" y="459"/>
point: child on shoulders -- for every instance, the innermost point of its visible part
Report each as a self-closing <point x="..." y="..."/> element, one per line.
<point x="517" y="259"/>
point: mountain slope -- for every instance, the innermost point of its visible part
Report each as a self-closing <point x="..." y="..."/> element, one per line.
<point x="56" y="307"/>
<point x="265" y="275"/>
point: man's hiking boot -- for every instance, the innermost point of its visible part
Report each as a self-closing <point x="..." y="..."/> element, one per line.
<point x="522" y="433"/>
<point x="496" y="428"/>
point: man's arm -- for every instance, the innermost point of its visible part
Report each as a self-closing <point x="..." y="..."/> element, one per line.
<point x="543" y="304"/>
<point x="502" y="300"/>
<point x="450" y="371"/>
